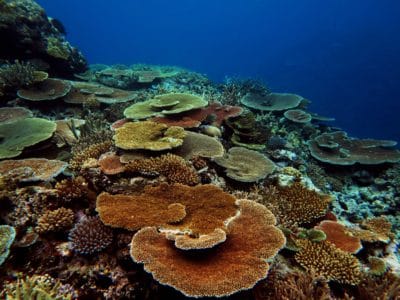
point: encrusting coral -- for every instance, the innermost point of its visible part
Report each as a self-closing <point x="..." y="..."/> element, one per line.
<point x="55" y="220"/>
<point x="236" y="264"/>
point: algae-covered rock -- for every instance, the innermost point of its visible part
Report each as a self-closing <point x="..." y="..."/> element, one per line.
<point x="16" y="136"/>
<point x="7" y="236"/>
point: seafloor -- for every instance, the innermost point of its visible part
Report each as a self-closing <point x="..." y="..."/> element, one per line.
<point x="152" y="182"/>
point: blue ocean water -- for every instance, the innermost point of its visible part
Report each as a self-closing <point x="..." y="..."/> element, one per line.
<point x="342" y="55"/>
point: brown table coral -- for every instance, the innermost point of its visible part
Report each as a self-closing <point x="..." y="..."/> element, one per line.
<point x="236" y="264"/>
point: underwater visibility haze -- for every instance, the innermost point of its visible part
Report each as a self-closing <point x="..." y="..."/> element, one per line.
<point x="199" y="149"/>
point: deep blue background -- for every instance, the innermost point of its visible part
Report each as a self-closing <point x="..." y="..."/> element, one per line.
<point x="343" y="55"/>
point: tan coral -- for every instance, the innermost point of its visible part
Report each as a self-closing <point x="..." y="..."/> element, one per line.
<point x="173" y="167"/>
<point x="236" y="264"/>
<point x="148" y="135"/>
<point x="295" y="204"/>
<point x="55" y="220"/>
<point x="197" y="144"/>
<point x="329" y="262"/>
<point x="91" y="152"/>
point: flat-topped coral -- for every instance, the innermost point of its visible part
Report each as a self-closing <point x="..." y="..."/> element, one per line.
<point x="297" y="116"/>
<point x="49" y="89"/>
<point x="68" y="132"/>
<point x="338" y="149"/>
<point x="165" y="104"/>
<point x="236" y="264"/>
<point x="7" y="236"/>
<point x="11" y="114"/>
<point x="245" y="165"/>
<point x="32" y="169"/>
<point x="173" y="167"/>
<point x="337" y="234"/>
<point x="197" y="144"/>
<point x="148" y="135"/>
<point x="196" y="210"/>
<point x="271" y="101"/>
<point x="329" y="262"/>
<point x="17" y="135"/>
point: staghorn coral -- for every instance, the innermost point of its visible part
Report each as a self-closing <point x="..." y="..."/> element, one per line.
<point x="90" y="236"/>
<point x="148" y="135"/>
<point x="173" y="167"/>
<point x="236" y="264"/>
<point x="329" y="262"/>
<point x="37" y="287"/>
<point x="295" y="204"/>
<point x="55" y="220"/>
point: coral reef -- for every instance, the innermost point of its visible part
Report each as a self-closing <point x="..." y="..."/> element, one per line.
<point x="55" y="220"/>
<point x="7" y="236"/>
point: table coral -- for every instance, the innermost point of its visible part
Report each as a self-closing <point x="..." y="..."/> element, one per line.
<point x="148" y="135"/>
<point x="32" y="169"/>
<point x="271" y="101"/>
<point x="50" y="89"/>
<point x="245" y="165"/>
<point x="236" y="264"/>
<point x="197" y="210"/>
<point x="23" y="133"/>
<point x="197" y="144"/>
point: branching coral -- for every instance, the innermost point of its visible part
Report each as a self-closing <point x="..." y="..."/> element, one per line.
<point x="173" y="167"/>
<point x="94" y="151"/>
<point x="295" y="204"/>
<point x="71" y="189"/>
<point x="329" y="262"/>
<point x="90" y="236"/>
<point x="56" y="220"/>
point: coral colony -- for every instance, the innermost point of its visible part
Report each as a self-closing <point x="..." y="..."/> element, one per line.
<point x="152" y="182"/>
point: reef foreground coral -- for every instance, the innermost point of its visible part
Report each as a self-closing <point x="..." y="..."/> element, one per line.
<point x="127" y="184"/>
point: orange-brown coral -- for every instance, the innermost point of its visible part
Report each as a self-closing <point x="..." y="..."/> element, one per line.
<point x="198" y="210"/>
<point x="295" y="204"/>
<point x="93" y="151"/>
<point x="110" y="164"/>
<point x="337" y="234"/>
<point x="237" y="264"/>
<point x="72" y="189"/>
<point x="329" y="262"/>
<point x="173" y="167"/>
<point x="55" y="220"/>
<point x="377" y="230"/>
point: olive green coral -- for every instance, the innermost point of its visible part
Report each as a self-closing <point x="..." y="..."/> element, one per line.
<point x="148" y="135"/>
<point x="23" y="133"/>
<point x="7" y="236"/>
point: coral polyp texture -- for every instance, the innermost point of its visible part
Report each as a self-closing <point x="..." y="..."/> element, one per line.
<point x="55" y="220"/>
<point x="89" y="236"/>
<point x="236" y="264"/>
<point x="149" y="136"/>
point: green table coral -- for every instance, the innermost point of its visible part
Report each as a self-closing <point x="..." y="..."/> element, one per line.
<point x="7" y="236"/>
<point x="165" y="104"/>
<point x="18" y="135"/>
